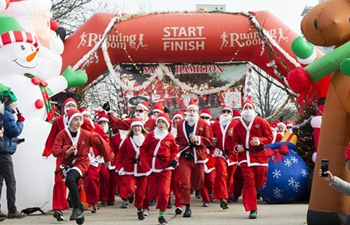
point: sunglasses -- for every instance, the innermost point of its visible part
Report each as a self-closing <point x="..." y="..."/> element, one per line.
<point x="226" y="111"/>
<point x="205" y="118"/>
<point x="139" y="110"/>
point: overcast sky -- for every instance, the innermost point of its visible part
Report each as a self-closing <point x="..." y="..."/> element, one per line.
<point x="287" y="11"/>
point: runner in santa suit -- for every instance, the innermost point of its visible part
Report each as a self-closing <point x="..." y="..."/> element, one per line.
<point x="207" y="190"/>
<point x="193" y="137"/>
<point x="92" y="177"/>
<point x="129" y="165"/>
<point x="159" y="155"/>
<point x="167" y="95"/>
<point x="249" y="137"/>
<point x="120" y="185"/>
<point x="59" y="201"/>
<point x="104" y="172"/>
<point x="175" y="185"/>
<point x="73" y="144"/>
<point x="226" y="158"/>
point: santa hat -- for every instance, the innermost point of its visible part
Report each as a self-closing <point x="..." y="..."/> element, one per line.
<point x="165" y="117"/>
<point x="282" y="124"/>
<point x="236" y="114"/>
<point x="8" y="97"/>
<point x="70" y="101"/>
<point x="136" y="122"/>
<point x="71" y="113"/>
<point x="290" y="123"/>
<point x="193" y="103"/>
<point x="205" y="113"/>
<point x="11" y="32"/>
<point x="228" y="107"/>
<point x="179" y="114"/>
<point x="158" y="107"/>
<point x="102" y="116"/>
<point x="249" y="101"/>
<point x="84" y="111"/>
<point x="145" y="105"/>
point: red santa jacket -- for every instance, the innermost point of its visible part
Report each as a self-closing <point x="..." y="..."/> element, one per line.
<point x="128" y="159"/>
<point x="201" y="129"/>
<point x="243" y="134"/>
<point x="156" y="154"/>
<point x="224" y="142"/>
<point x="58" y="125"/>
<point x="84" y="140"/>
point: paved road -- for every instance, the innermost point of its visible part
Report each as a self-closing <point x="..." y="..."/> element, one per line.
<point x="282" y="214"/>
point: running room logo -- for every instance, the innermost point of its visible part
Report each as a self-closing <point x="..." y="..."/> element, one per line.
<point x="232" y="40"/>
<point x="132" y="41"/>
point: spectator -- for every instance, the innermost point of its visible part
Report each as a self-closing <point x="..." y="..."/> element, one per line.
<point x="12" y="129"/>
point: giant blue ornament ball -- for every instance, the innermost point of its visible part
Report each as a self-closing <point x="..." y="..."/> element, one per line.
<point x="286" y="180"/>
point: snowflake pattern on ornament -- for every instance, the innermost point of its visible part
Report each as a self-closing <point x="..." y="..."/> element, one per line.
<point x="294" y="159"/>
<point x="278" y="193"/>
<point x="276" y="173"/>
<point x="304" y="173"/>
<point x="288" y="162"/>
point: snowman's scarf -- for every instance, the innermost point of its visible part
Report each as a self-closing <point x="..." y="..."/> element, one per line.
<point x="45" y="93"/>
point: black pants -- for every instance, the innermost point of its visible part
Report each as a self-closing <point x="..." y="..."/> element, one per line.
<point x="7" y="173"/>
<point x="72" y="184"/>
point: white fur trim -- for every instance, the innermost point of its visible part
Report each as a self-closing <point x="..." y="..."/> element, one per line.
<point x="250" y="105"/>
<point x="192" y="106"/>
<point x="309" y="59"/>
<point x="157" y="110"/>
<point x="178" y="115"/>
<point x="75" y="115"/>
<point x="143" y="106"/>
<point x="70" y="102"/>
<point x="205" y="115"/>
<point x="85" y="113"/>
<point x="135" y="123"/>
<point x="103" y="119"/>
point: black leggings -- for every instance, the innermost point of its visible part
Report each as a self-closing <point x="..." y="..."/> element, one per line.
<point x="72" y="184"/>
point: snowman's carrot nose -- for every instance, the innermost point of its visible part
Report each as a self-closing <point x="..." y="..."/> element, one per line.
<point x="31" y="56"/>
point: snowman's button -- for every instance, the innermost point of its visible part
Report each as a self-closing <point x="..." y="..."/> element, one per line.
<point x="39" y="104"/>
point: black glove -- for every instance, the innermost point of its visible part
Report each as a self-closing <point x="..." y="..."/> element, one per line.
<point x="166" y="110"/>
<point x="106" y="106"/>
<point x="173" y="163"/>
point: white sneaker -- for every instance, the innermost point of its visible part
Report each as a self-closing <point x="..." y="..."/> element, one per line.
<point x="145" y="212"/>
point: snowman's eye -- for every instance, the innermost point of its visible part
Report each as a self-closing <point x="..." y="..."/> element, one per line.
<point x="22" y="47"/>
<point x="32" y="48"/>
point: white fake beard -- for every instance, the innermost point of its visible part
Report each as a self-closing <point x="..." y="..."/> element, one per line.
<point x="191" y="118"/>
<point x="225" y="119"/>
<point x="138" y="139"/>
<point x="158" y="134"/>
<point x="140" y="116"/>
<point x="106" y="128"/>
<point x="290" y="130"/>
<point x="248" y="115"/>
<point x="281" y="132"/>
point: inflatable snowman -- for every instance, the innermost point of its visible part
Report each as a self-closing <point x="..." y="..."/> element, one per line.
<point x="19" y="66"/>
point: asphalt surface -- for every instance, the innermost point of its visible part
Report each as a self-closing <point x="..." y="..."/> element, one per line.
<point x="269" y="214"/>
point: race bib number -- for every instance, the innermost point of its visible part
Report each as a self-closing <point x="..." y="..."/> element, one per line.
<point x="217" y="152"/>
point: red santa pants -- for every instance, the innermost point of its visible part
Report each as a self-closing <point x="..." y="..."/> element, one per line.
<point x="92" y="184"/>
<point x="224" y="178"/>
<point x="113" y="185"/>
<point x="192" y="176"/>
<point x="140" y="192"/>
<point x="123" y="194"/>
<point x="176" y="186"/>
<point x="238" y="186"/>
<point x="159" y="188"/>
<point x="59" y="197"/>
<point x="254" y="177"/>
<point x="104" y="179"/>
<point x="209" y="179"/>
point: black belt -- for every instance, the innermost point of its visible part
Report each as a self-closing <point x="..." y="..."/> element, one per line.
<point x="135" y="161"/>
<point x="255" y="149"/>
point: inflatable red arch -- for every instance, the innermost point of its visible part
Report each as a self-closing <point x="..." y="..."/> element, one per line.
<point x="184" y="38"/>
